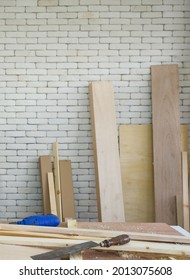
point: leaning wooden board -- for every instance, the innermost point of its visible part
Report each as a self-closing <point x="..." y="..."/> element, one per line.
<point x="106" y="151"/>
<point x="136" y="156"/>
<point x="166" y="144"/>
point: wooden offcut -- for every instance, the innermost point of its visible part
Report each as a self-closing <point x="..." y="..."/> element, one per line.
<point x="166" y="143"/>
<point x="57" y="180"/>
<point x="66" y="187"/>
<point x="52" y="198"/>
<point x="106" y="152"/>
<point x="45" y="167"/>
<point x="185" y="191"/>
<point x="136" y="156"/>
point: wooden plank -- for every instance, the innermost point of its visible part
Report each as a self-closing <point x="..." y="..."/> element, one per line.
<point x="106" y="152"/>
<point x="136" y="156"/>
<point x="53" y="206"/>
<point x="16" y="252"/>
<point x="94" y="233"/>
<point x="132" y="246"/>
<point x="185" y="191"/>
<point x="166" y="143"/>
<point x="45" y="167"/>
<point x="57" y="180"/>
<point x="66" y="186"/>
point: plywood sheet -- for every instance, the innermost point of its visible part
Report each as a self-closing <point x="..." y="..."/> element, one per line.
<point x="45" y="167"/>
<point x="136" y="156"/>
<point x="66" y="186"/>
<point x="107" y="163"/>
<point x="166" y="143"/>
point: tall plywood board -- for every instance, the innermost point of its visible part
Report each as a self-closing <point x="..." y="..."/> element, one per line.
<point x="136" y="156"/>
<point x="166" y="144"/>
<point x="106" y="152"/>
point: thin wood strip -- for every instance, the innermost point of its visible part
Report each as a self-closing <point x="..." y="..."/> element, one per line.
<point x="57" y="180"/>
<point x="166" y="143"/>
<point x="98" y="233"/>
<point x="106" y="152"/>
<point x="185" y="191"/>
<point x="52" y="198"/>
<point x="45" y="167"/>
<point x="132" y="246"/>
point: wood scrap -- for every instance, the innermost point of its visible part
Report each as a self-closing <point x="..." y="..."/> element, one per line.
<point x="45" y="167"/>
<point x="52" y="197"/>
<point x="57" y="180"/>
<point x="106" y="152"/>
<point x="66" y="187"/>
<point x="185" y="191"/>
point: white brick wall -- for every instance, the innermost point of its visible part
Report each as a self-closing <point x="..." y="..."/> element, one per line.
<point x="49" y="52"/>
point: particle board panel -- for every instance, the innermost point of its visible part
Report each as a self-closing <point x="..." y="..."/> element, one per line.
<point x="45" y="167"/>
<point x="106" y="152"/>
<point x="166" y="143"/>
<point x="136" y="156"/>
<point x="66" y="186"/>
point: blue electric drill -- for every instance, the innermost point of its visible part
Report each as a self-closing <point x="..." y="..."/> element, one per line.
<point x="40" y="220"/>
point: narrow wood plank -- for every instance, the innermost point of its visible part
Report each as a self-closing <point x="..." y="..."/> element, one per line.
<point x="66" y="186"/>
<point x="136" y="156"/>
<point x="166" y="142"/>
<point x="185" y="191"/>
<point x="134" y="246"/>
<point x="72" y="223"/>
<point x="45" y="167"/>
<point x="57" y="180"/>
<point x="52" y="198"/>
<point x="106" y="152"/>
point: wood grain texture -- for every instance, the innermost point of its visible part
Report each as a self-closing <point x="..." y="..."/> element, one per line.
<point x="57" y="180"/>
<point x="52" y="198"/>
<point x="45" y="167"/>
<point x="106" y="152"/>
<point x="166" y="143"/>
<point x="136" y="156"/>
<point x="66" y="186"/>
<point x="185" y="191"/>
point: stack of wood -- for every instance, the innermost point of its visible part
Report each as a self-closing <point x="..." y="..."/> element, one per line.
<point x="57" y="187"/>
<point x="22" y="242"/>
<point x="145" y="179"/>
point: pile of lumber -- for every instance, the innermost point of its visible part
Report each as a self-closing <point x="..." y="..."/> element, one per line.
<point x="57" y="187"/>
<point x="144" y="178"/>
<point x="28" y="241"/>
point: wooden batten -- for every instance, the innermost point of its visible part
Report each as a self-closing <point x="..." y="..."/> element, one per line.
<point x="52" y="197"/>
<point x="45" y="167"/>
<point x="57" y="180"/>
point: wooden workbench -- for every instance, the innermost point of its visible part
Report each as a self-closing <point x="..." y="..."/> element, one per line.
<point x="16" y="252"/>
<point x="160" y="228"/>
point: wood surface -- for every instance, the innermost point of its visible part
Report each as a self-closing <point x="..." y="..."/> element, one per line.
<point x="185" y="191"/>
<point x="166" y="143"/>
<point x="52" y="198"/>
<point x="136" y="156"/>
<point x="45" y="167"/>
<point x="106" y="152"/>
<point x="66" y="187"/>
<point x="57" y="180"/>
